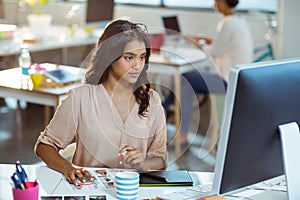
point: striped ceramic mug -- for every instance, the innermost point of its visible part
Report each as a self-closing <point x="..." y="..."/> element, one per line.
<point x="127" y="185"/>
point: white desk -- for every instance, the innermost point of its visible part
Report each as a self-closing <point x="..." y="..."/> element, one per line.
<point x="52" y="183"/>
<point x="49" y="179"/>
<point x="57" y="38"/>
<point x="181" y="60"/>
<point x="58" y="44"/>
<point x="11" y="86"/>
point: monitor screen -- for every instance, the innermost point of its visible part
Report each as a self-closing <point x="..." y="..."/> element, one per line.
<point x="171" y="24"/>
<point x="260" y="97"/>
<point x="99" y="10"/>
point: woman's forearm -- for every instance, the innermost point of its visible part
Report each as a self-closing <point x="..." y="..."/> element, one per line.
<point x="155" y="163"/>
<point x="55" y="161"/>
<point x="52" y="158"/>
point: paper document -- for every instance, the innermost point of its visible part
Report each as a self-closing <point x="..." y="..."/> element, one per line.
<point x="54" y="182"/>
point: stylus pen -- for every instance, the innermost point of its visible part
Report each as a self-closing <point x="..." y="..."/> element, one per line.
<point x="156" y="177"/>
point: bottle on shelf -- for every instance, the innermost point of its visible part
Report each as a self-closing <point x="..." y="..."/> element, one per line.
<point x="24" y="61"/>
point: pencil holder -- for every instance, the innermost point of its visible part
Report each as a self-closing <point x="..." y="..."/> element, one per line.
<point x="127" y="185"/>
<point x="30" y="193"/>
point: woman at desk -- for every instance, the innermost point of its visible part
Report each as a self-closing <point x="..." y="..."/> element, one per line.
<point x="232" y="45"/>
<point x="114" y="113"/>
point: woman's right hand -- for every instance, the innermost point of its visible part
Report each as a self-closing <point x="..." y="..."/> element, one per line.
<point x="198" y="41"/>
<point x="207" y="40"/>
<point x="75" y="175"/>
<point x="54" y="160"/>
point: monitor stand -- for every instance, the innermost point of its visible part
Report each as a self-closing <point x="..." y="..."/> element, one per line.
<point x="290" y="141"/>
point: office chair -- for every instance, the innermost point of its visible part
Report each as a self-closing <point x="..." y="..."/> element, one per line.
<point x="68" y="152"/>
<point x="264" y="52"/>
<point x="3" y="107"/>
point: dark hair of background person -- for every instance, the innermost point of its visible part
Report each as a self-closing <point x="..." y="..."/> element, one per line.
<point x="232" y="3"/>
<point x="110" y="47"/>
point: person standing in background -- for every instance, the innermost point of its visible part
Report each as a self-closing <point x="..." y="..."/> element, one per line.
<point x="232" y="45"/>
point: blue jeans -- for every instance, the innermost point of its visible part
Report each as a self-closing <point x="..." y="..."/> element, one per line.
<point x="193" y="83"/>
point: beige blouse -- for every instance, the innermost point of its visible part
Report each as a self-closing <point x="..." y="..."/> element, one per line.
<point x="89" y="114"/>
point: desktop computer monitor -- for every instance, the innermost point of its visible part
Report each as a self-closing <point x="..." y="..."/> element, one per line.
<point x="171" y="24"/>
<point x="99" y="11"/>
<point x="260" y="97"/>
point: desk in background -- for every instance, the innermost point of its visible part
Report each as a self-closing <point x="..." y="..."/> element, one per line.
<point x="57" y="40"/>
<point x="180" y="60"/>
<point x="11" y="86"/>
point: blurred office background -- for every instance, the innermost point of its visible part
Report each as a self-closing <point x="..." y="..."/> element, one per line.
<point x="271" y="21"/>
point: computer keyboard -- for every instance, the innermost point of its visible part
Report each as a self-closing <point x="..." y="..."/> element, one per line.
<point x="194" y="192"/>
<point x="277" y="183"/>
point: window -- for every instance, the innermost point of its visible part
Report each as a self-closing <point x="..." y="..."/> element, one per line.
<point x="189" y="3"/>
<point x="244" y="5"/>
<point x="141" y="2"/>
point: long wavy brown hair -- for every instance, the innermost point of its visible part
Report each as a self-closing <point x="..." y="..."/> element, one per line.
<point x="110" y="47"/>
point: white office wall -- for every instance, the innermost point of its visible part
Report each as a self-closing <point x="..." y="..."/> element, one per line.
<point x="289" y="28"/>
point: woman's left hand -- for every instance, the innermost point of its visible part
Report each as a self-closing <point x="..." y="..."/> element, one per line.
<point x="133" y="158"/>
